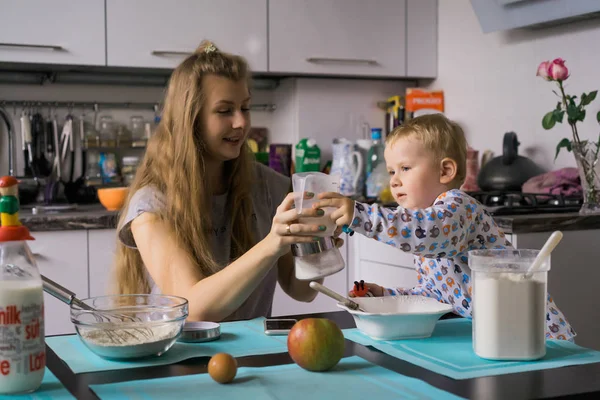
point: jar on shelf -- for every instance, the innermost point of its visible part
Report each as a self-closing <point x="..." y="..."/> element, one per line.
<point x="123" y="136"/>
<point x="138" y="133"/>
<point x="129" y="167"/>
<point x="91" y="137"/>
<point x="93" y="170"/>
<point x="107" y="132"/>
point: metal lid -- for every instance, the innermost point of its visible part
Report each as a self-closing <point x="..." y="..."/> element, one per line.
<point x="319" y="246"/>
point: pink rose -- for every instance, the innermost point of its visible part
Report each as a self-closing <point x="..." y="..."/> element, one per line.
<point x="557" y="70"/>
<point x="543" y="70"/>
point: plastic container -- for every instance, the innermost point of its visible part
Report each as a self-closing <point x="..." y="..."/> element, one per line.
<point x="322" y="258"/>
<point x="509" y="308"/>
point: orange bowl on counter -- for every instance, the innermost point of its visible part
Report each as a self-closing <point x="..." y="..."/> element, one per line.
<point x="113" y="198"/>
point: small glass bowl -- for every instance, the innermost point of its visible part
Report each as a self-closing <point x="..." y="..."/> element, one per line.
<point x="130" y="326"/>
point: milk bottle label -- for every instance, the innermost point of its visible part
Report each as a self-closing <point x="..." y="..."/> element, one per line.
<point x="22" y="348"/>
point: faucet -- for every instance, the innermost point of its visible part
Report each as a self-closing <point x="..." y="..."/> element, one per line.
<point x="10" y="133"/>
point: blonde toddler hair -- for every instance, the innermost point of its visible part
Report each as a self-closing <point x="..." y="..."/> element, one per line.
<point x="442" y="136"/>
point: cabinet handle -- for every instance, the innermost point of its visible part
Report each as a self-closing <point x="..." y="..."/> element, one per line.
<point x="324" y="60"/>
<point x="33" y="46"/>
<point x="170" y="52"/>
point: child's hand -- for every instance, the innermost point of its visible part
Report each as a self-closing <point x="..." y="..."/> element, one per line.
<point x="345" y="207"/>
<point x="362" y="288"/>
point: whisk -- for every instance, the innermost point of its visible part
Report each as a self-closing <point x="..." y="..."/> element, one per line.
<point x="109" y="319"/>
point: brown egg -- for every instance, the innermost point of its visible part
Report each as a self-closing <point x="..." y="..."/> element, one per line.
<point x="222" y="367"/>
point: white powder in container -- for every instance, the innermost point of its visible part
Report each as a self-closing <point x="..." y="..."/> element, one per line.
<point x="509" y="316"/>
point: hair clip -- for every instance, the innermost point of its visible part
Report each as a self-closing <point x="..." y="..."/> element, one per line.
<point x="210" y="48"/>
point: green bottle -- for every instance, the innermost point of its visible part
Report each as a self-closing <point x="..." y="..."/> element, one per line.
<point x="308" y="156"/>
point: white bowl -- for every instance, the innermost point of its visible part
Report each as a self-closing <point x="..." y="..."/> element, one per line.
<point x="397" y="317"/>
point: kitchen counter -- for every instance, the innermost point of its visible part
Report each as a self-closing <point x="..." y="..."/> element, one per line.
<point x="547" y="222"/>
<point x="95" y="216"/>
<point x="92" y="216"/>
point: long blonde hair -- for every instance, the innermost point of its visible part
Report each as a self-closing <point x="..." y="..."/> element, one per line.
<point x="174" y="165"/>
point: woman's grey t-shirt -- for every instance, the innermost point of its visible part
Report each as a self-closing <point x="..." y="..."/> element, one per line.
<point x="268" y="192"/>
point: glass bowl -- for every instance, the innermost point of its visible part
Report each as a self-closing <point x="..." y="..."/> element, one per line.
<point x="130" y="326"/>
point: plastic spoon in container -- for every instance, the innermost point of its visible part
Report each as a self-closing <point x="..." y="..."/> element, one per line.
<point x="550" y="244"/>
<point x="328" y="292"/>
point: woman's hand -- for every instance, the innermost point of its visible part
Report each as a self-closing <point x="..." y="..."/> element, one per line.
<point x="286" y="230"/>
<point x="344" y="207"/>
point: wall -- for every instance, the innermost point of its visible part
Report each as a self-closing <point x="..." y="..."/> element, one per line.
<point x="490" y="84"/>
<point x="325" y="109"/>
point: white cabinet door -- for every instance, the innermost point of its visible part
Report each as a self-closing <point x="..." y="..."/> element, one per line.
<point x="285" y="305"/>
<point x="102" y="244"/>
<point x="62" y="257"/>
<point x="338" y="37"/>
<point x="372" y="250"/>
<point x="160" y="33"/>
<point x="389" y="276"/>
<point x="422" y="37"/>
<point x="382" y="264"/>
<point x="52" y="32"/>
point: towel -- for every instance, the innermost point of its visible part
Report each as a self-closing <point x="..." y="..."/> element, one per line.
<point x="563" y="181"/>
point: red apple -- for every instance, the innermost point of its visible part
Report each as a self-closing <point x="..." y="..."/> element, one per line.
<point x="316" y="344"/>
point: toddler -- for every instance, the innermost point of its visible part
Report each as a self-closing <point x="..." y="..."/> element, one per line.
<point x="434" y="220"/>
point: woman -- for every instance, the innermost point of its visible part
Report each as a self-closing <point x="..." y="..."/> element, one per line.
<point x="202" y="219"/>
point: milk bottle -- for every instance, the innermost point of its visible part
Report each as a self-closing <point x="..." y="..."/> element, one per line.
<point x="22" y="348"/>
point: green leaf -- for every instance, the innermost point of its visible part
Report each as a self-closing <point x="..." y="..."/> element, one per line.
<point x="581" y="115"/>
<point x="548" y="121"/>
<point x="583" y="97"/>
<point x="566" y="143"/>
<point x="572" y="112"/>
<point x="589" y="98"/>
<point x="598" y="117"/>
<point x="558" y="115"/>
<point x="559" y="105"/>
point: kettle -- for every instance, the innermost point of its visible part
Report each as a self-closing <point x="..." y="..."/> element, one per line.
<point x="509" y="171"/>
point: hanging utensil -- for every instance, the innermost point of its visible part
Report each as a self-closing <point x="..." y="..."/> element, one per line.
<point x="26" y="143"/>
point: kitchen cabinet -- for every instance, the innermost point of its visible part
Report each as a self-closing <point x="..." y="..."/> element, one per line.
<point x="160" y="33"/>
<point x="52" y="32"/>
<point x="382" y="264"/>
<point x="573" y="279"/>
<point x="353" y="37"/>
<point x="102" y="245"/>
<point x="421" y="38"/>
<point x="62" y="257"/>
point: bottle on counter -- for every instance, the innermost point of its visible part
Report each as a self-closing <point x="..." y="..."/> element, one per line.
<point x="129" y="167"/>
<point x="375" y="159"/>
<point x="22" y="347"/>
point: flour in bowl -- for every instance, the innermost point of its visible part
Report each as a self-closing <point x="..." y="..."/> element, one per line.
<point x="131" y="335"/>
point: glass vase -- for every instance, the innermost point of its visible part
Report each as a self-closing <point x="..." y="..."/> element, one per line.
<point x="586" y="156"/>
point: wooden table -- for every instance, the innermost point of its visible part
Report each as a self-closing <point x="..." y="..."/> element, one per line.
<point x="576" y="382"/>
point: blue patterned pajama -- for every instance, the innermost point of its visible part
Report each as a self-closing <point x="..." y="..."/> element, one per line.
<point x="440" y="238"/>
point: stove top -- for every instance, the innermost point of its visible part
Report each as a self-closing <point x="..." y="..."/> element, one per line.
<point x="514" y="203"/>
